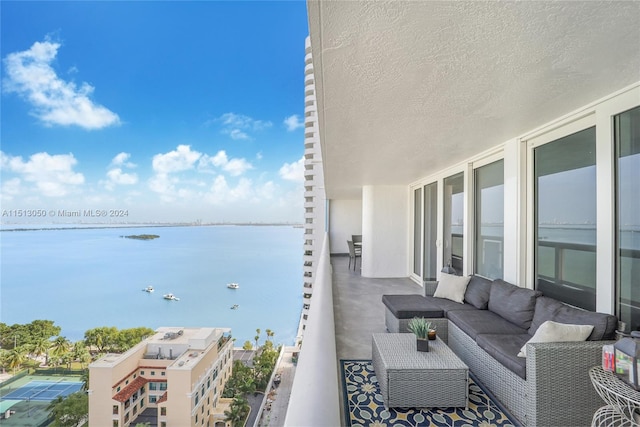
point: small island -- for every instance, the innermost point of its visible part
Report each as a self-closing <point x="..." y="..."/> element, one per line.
<point x="142" y="236"/>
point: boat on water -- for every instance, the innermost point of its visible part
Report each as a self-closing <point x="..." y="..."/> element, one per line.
<point x="234" y="307"/>
<point x="148" y="289"/>
<point x="233" y="286"/>
<point x="171" y="297"/>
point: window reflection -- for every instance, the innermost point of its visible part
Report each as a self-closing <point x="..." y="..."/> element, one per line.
<point x="489" y="217"/>
<point x="454" y="221"/>
<point x="565" y="225"/>
<point x="627" y="135"/>
<point x="430" y="231"/>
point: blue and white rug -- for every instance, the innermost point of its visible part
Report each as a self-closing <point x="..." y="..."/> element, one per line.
<point x="364" y="405"/>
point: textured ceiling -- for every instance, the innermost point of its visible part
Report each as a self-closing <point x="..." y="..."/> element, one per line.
<point x="407" y="88"/>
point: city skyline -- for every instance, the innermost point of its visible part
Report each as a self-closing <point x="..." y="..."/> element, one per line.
<point x="153" y="111"/>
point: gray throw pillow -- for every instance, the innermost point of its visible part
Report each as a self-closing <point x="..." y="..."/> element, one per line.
<point x="513" y="303"/>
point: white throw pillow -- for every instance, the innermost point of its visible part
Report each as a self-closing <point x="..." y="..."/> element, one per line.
<point x="452" y="287"/>
<point x="551" y="331"/>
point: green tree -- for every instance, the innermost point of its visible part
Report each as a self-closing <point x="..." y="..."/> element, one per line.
<point x="247" y="345"/>
<point x="40" y="347"/>
<point x="15" y="358"/>
<point x="257" y="337"/>
<point x="237" y="412"/>
<point x="241" y="375"/>
<point x="70" y="411"/>
<point x="80" y="353"/>
<point x="270" y="334"/>
<point x="127" y="338"/>
<point x="85" y="380"/>
<point x="263" y="364"/>
<point x="60" y="346"/>
<point x="102" y="338"/>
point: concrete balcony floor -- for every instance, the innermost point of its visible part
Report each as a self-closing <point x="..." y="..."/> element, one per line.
<point x="358" y="308"/>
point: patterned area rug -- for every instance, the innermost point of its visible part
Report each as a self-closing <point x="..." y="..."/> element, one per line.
<point x="364" y="406"/>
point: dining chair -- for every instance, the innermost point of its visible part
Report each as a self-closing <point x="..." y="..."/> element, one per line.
<point x="353" y="255"/>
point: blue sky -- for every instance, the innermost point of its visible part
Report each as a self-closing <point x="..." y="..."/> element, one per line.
<point x="170" y="111"/>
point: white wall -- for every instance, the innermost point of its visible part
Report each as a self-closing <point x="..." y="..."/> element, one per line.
<point x="385" y="221"/>
<point x="315" y="399"/>
<point x="345" y="220"/>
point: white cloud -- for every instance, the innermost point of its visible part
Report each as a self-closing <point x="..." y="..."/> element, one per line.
<point x="221" y="193"/>
<point x="121" y="160"/>
<point x="293" y="171"/>
<point x="117" y="177"/>
<point x="10" y="188"/>
<point x="237" y="125"/>
<point x="54" y="101"/>
<point x="52" y="175"/>
<point x="293" y="122"/>
<point x="180" y="159"/>
<point x="234" y="166"/>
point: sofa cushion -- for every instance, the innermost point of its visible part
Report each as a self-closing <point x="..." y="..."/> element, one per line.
<point x="452" y="287"/>
<point x="478" y="292"/>
<point x="474" y="322"/>
<point x="551" y="331"/>
<point x="504" y="348"/>
<point x="448" y="305"/>
<point x="513" y="303"/>
<point x="410" y="306"/>
<point x="551" y="309"/>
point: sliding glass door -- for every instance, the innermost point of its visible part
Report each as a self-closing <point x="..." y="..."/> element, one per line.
<point x="627" y="141"/>
<point x="454" y="222"/>
<point x="565" y="218"/>
<point x="489" y="220"/>
<point x="430" y="261"/>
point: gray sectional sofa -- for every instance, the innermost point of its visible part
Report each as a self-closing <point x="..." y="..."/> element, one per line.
<point x="550" y="386"/>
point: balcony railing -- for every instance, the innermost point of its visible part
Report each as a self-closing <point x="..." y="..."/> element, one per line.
<point x="315" y="399"/>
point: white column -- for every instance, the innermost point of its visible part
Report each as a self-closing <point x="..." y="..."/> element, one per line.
<point x="385" y="231"/>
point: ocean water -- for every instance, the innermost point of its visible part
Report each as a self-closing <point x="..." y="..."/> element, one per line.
<point x="86" y="278"/>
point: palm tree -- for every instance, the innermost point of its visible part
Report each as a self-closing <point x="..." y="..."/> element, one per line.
<point x="257" y="337"/>
<point x="237" y="412"/>
<point x="269" y="333"/>
<point x="85" y="380"/>
<point x="15" y="358"/>
<point x="81" y="353"/>
<point x="59" y="346"/>
<point x="40" y="347"/>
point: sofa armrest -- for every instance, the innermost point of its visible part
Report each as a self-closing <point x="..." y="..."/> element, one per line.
<point x="558" y="382"/>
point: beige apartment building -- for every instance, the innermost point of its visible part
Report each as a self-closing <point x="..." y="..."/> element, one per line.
<point x="175" y="378"/>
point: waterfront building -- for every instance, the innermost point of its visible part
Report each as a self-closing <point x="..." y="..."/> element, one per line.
<point x="314" y="197"/>
<point x="500" y="138"/>
<point x="174" y="378"/>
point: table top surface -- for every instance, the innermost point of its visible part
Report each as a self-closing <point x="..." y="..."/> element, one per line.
<point x="608" y="382"/>
<point x="398" y="351"/>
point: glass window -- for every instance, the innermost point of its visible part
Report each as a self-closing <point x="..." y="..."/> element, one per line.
<point x="627" y="140"/>
<point x="565" y="219"/>
<point x="489" y="217"/>
<point x="454" y="221"/>
<point x="430" y="232"/>
<point x="417" y="231"/>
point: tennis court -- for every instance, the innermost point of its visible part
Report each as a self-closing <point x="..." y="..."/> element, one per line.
<point x="43" y="390"/>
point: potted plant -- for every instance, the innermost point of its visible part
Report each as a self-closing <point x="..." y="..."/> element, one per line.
<point x="420" y="328"/>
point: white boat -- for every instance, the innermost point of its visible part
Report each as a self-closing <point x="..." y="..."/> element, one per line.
<point x="171" y="297"/>
<point x="233" y="286"/>
<point x="148" y="289"/>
